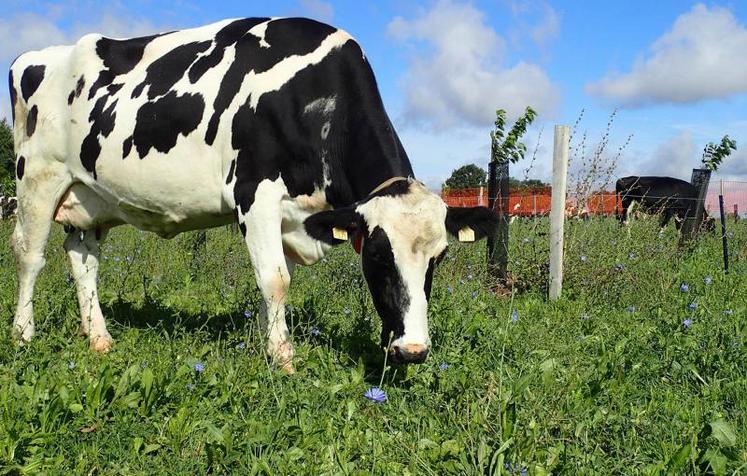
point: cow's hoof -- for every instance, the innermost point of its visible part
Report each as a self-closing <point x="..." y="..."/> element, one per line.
<point x="288" y="368"/>
<point x="102" y="344"/>
<point x="282" y="357"/>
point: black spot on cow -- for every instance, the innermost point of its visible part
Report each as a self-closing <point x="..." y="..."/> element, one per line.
<point x="164" y="72"/>
<point x="13" y="96"/>
<point x="105" y="78"/>
<point x="429" y="278"/>
<point x="113" y="88"/>
<point x="227" y="36"/>
<point x="287" y="37"/>
<point x="119" y="57"/>
<point x="159" y="123"/>
<point x="20" y="166"/>
<point x="31" y="79"/>
<point x="137" y="91"/>
<point x="102" y="123"/>
<point x="78" y="89"/>
<point x="362" y="149"/>
<point x="126" y="147"/>
<point x="242" y="227"/>
<point x="388" y="290"/>
<point x="230" y="172"/>
<point x="31" y="120"/>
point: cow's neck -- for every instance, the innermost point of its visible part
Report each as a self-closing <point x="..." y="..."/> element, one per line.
<point x="367" y="166"/>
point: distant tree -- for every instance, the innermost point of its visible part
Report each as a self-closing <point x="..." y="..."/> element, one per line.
<point x="7" y="160"/>
<point x="514" y="183"/>
<point x="714" y="154"/>
<point x="467" y="176"/>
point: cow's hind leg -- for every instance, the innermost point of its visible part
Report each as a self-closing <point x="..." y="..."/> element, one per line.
<point x="82" y="249"/>
<point x="38" y="194"/>
<point x="261" y="226"/>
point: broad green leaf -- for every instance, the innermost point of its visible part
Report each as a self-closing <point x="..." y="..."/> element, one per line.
<point x="723" y="432"/>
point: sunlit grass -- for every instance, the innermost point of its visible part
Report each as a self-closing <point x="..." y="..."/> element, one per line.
<point x="609" y="379"/>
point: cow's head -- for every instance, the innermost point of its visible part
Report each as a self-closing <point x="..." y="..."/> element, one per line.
<point x="404" y="235"/>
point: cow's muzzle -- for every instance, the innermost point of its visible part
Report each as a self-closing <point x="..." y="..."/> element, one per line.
<point x="408" y="353"/>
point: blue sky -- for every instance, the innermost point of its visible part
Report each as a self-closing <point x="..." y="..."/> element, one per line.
<point x="674" y="69"/>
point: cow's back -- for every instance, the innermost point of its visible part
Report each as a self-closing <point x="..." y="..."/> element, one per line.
<point x="153" y="123"/>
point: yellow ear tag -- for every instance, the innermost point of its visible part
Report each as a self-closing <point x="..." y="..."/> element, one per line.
<point x="466" y="234"/>
<point x="340" y="233"/>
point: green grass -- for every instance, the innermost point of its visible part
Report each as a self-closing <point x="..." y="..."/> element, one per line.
<point x="582" y="385"/>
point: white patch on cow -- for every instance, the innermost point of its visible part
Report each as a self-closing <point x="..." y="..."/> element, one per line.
<point x="271" y="269"/>
<point x="415" y="225"/>
<point x="259" y="31"/>
<point x="297" y="245"/>
<point x="282" y="72"/>
<point x="324" y="106"/>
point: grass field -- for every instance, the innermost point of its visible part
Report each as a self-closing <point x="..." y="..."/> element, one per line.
<point x="629" y="373"/>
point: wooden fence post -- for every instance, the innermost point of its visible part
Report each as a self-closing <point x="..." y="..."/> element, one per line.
<point x="557" y="208"/>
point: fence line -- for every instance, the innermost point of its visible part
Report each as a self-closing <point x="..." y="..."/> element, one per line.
<point x="536" y="202"/>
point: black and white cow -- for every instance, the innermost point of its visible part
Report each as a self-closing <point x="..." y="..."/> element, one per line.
<point x="667" y="196"/>
<point x="274" y="123"/>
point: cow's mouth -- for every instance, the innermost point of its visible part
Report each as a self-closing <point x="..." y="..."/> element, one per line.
<point x="408" y="353"/>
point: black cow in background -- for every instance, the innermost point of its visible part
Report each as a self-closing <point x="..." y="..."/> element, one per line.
<point x="667" y="196"/>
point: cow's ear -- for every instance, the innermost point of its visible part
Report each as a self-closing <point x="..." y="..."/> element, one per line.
<point x="333" y="226"/>
<point x="471" y="224"/>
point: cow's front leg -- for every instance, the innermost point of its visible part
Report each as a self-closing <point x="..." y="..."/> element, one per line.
<point x="262" y="233"/>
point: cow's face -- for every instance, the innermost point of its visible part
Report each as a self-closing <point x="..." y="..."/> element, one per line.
<point x="404" y="236"/>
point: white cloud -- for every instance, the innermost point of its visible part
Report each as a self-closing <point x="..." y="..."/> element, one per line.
<point x="548" y="28"/>
<point x="457" y="74"/>
<point x="27" y="31"/>
<point x="699" y="58"/>
<point x="676" y="157"/>
<point x="318" y="9"/>
<point x="734" y="167"/>
<point x="30" y="31"/>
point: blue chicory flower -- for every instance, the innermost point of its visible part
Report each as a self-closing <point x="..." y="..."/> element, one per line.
<point x="241" y="346"/>
<point x="315" y="331"/>
<point x="474" y="294"/>
<point x="248" y="314"/>
<point x="584" y="258"/>
<point x="684" y="287"/>
<point x="708" y="280"/>
<point x="687" y="323"/>
<point x="631" y="308"/>
<point x="631" y="255"/>
<point x="199" y="367"/>
<point x="728" y="312"/>
<point x="71" y="365"/>
<point x="346" y="311"/>
<point x="692" y="306"/>
<point x="619" y="267"/>
<point x="449" y="289"/>
<point x="443" y="366"/>
<point x="514" y="315"/>
<point x="375" y="394"/>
